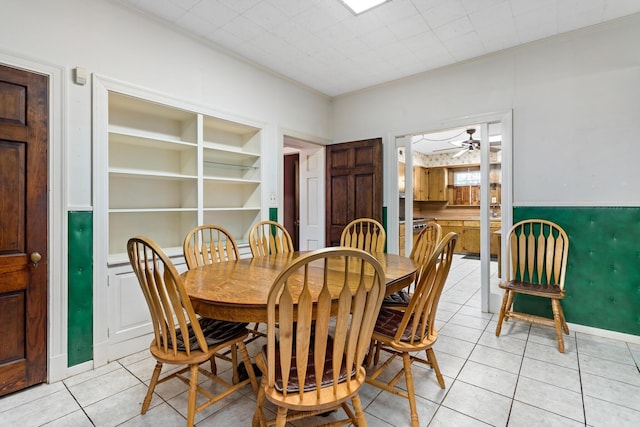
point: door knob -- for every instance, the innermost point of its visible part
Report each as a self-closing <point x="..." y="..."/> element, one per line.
<point x="35" y="258"/>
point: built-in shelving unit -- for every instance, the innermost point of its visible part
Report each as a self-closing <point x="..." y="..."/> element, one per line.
<point x="171" y="169"/>
<point x="162" y="166"/>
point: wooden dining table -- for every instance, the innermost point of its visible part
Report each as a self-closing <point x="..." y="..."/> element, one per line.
<point x="238" y="290"/>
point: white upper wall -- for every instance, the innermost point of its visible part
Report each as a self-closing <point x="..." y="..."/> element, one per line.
<point x="113" y="41"/>
<point x="576" y="112"/>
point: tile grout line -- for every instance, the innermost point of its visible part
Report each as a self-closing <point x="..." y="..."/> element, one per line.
<point x="79" y="405"/>
<point x="584" y="411"/>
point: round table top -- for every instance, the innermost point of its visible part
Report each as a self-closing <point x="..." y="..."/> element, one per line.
<point x="238" y="290"/>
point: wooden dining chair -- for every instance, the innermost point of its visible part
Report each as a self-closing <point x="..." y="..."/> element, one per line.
<point x="205" y="245"/>
<point x="403" y="333"/>
<point x="423" y="248"/>
<point x="180" y="337"/>
<point x="535" y="265"/>
<point x="269" y="237"/>
<point x="364" y="233"/>
<point x="313" y="362"/>
<point x="208" y="244"/>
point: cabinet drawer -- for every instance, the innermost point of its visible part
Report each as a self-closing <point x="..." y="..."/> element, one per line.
<point x="472" y="223"/>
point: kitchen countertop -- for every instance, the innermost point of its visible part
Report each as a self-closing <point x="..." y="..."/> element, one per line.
<point x="456" y="218"/>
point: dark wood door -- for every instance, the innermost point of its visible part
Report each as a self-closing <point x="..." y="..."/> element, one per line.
<point x="23" y="229"/>
<point x="354" y="185"/>
<point x="291" y="198"/>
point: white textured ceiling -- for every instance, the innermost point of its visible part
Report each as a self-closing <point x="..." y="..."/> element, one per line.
<point x="322" y="45"/>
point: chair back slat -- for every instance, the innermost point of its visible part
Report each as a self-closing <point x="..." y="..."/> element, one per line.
<point x="331" y="318"/>
<point x="426" y="242"/>
<point x="364" y="233"/>
<point x="542" y="259"/>
<point x="269" y="237"/>
<point x="166" y="297"/>
<point x="419" y="317"/>
<point x="209" y="244"/>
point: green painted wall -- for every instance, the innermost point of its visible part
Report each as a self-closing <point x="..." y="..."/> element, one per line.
<point x="80" y="266"/>
<point x="603" y="268"/>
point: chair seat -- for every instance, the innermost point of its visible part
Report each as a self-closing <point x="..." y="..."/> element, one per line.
<point x="214" y="331"/>
<point x="549" y="291"/>
<point x="397" y="299"/>
<point x="310" y="378"/>
<point x="388" y="323"/>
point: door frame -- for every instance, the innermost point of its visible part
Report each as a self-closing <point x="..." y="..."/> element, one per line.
<point x="57" y="212"/>
<point x="310" y="144"/>
<point x="490" y="300"/>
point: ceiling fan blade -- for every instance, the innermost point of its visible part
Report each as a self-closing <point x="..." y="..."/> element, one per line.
<point x="461" y="152"/>
<point x="447" y="149"/>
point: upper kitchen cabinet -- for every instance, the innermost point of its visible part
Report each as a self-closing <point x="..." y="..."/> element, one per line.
<point x="437" y="184"/>
<point x="420" y="184"/>
<point x="430" y="184"/>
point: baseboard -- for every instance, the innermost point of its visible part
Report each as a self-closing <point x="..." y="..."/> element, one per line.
<point x="57" y="368"/>
<point x="604" y="333"/>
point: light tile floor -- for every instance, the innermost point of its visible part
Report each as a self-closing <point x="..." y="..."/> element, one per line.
<point x="518" y="379"/>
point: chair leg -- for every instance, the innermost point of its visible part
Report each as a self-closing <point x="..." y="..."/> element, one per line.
<point x="431" y="358"/>
<point x="152" y="386"/>
<point x="357" y="406"/>
<point x="376" y="356"/>
<point x="214" y="367"/>
<point x="193" y="395"/>
<point x="248" y="365"/>
<point x="258" y="415"/>
<point x="503" y="310"/>
<point x="234" y="363"/>
<point x="557" y="320"/>
<point x="565" y="327"/>
<point x="369" y="358"/>
<point x="281" y="419"/>
<point x="408" y="376"/>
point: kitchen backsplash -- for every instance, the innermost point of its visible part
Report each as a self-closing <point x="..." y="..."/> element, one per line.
<point x="447" y="159"/>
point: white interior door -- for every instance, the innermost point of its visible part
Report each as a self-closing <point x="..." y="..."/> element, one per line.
<point x="312" y="205"/>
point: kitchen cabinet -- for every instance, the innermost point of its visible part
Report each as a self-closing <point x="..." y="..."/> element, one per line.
<point x="494" y="238"/>
<point x="469" y="235"/>
<point x="437" y="184"/>
<point x="430" y="184"/>
<point x="402" y="240"/>
<point x="470" y="242"/>
<point x="420" y="184"/>
<point x="455" y="226"/>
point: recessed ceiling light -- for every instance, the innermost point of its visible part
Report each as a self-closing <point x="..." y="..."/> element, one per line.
<point x="359" y="6"/>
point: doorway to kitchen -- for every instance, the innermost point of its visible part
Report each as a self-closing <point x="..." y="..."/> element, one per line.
<point x="459" y="174"/>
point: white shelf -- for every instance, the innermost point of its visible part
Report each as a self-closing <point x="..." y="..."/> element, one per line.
<point x="152" y="210"/>
<point x="231" y="181"/>
<point x="132" y="137"/>
<point x="140" y="174"/>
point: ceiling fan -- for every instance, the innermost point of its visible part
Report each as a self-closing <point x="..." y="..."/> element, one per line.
<point x="470" y="145"/>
